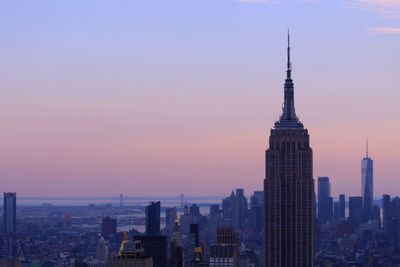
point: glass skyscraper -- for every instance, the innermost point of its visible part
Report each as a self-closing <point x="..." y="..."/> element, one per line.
<point x="367" y="185"/>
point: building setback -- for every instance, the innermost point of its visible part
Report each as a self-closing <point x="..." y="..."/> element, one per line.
<point x="289" y="188"/>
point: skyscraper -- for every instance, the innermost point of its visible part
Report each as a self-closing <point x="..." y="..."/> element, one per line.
<point x="367" y="185"/>
<point x="153" y="218"/>
<point x="10" y="212"/>
<point x="240" y="209"/>
<point x="170" y="218"/>
<point x="289" y="188"/>
<point x="342" y="206"/>
<point x="325" y="201"/>
<point x="386" y="208"/>
<point x="355" y="210"/>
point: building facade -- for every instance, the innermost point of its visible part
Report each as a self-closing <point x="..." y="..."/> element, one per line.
<point x="355" y="210"/>
<point x="325" y="201"/>
<point x="153" y="218"/>
<point x="289" y="188"/>
<point x="367" y="185"/>
<point x="10" y="213"/>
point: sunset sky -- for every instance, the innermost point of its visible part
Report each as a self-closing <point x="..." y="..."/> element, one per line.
<point x="164" y="97"/>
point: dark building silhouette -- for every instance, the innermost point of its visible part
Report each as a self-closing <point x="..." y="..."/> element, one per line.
<point x="194" y="210"/>
<point x="234" y="209"/>
<point x="240" y="209"/>
<point x="194" y="233"/>
<point x="155" y="246"/>
<point x="325" y="201"/>
<point x="214" y="209"/>
<point x="153" y="218"/>
<point x="386" y="209"/>
<point x="289" y="188"/>
<point x="376" y="214"/>
<point x="170" y="218"/>
<point x="367" y="185"/>
<point x="355" y="210"/>
<point x="342" y="206"/>
<point x="255" y="214"/>
<point x="176" y="247"/>
<point x="10" y="213"/>
<point x="108" y="226"/>
<point x="336" y="212"/>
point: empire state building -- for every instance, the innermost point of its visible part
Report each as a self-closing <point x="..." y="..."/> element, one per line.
<point x="289" y="188"/>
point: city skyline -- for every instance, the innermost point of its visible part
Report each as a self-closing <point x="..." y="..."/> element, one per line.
<point x="185" y="99"/>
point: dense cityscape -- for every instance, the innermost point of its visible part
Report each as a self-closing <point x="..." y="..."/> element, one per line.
<point x="285" y="224"/>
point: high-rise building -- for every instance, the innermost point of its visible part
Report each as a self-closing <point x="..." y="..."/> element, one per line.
<point x="257" y="199"/>
<point x="289" y="188"/>
<point x="336" y="212"/>
<point x="342" y="206"/>
<point x="386" y="209"/>
<point x="153" y="218"/>
<point x="170" y="218"/>
<point x="10" y="213"/>
<point x="355" y="210"/>
<point x="325" y="201"/>
<point x="108" y="227"/>
<point x="226" y="251"/>
<point x="367" y="185"/>
<point x="255" y="214"/>
<point x="176" y="247"/>
<point x="376" y="214"/>
<point x="240" y="209"/>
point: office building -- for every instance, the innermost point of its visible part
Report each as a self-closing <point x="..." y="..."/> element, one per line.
<point x="325" y="201"/>
<point x="153" y="218"/>
<point x="170" y="218"/>
<point x="176" y="247"/>
<point x="355" y="210"/>
<point x="289" y="188"/>
<point x="10" y="213"/>
<point x="386" y="209"/>
<point x="342" y="206"/>
<point x="367" y="185"/>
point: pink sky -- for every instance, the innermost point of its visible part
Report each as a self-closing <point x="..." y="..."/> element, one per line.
<point x="95" y="101"/>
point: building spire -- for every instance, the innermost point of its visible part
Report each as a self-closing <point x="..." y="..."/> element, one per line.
<point x="288" y="118"/>
<point x="289" y="64"/>
<point x="366" y="148"/>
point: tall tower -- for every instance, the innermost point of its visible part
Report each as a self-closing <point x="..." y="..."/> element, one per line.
<point x="325" y="201"/>
<point x="367" y="184"/>
<point x="153" y="218"/>
<point x="289" y="188"/>
<point x="10" y="211"/>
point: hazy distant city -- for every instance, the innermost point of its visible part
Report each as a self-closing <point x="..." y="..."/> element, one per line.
<point x="168" y="133"/>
